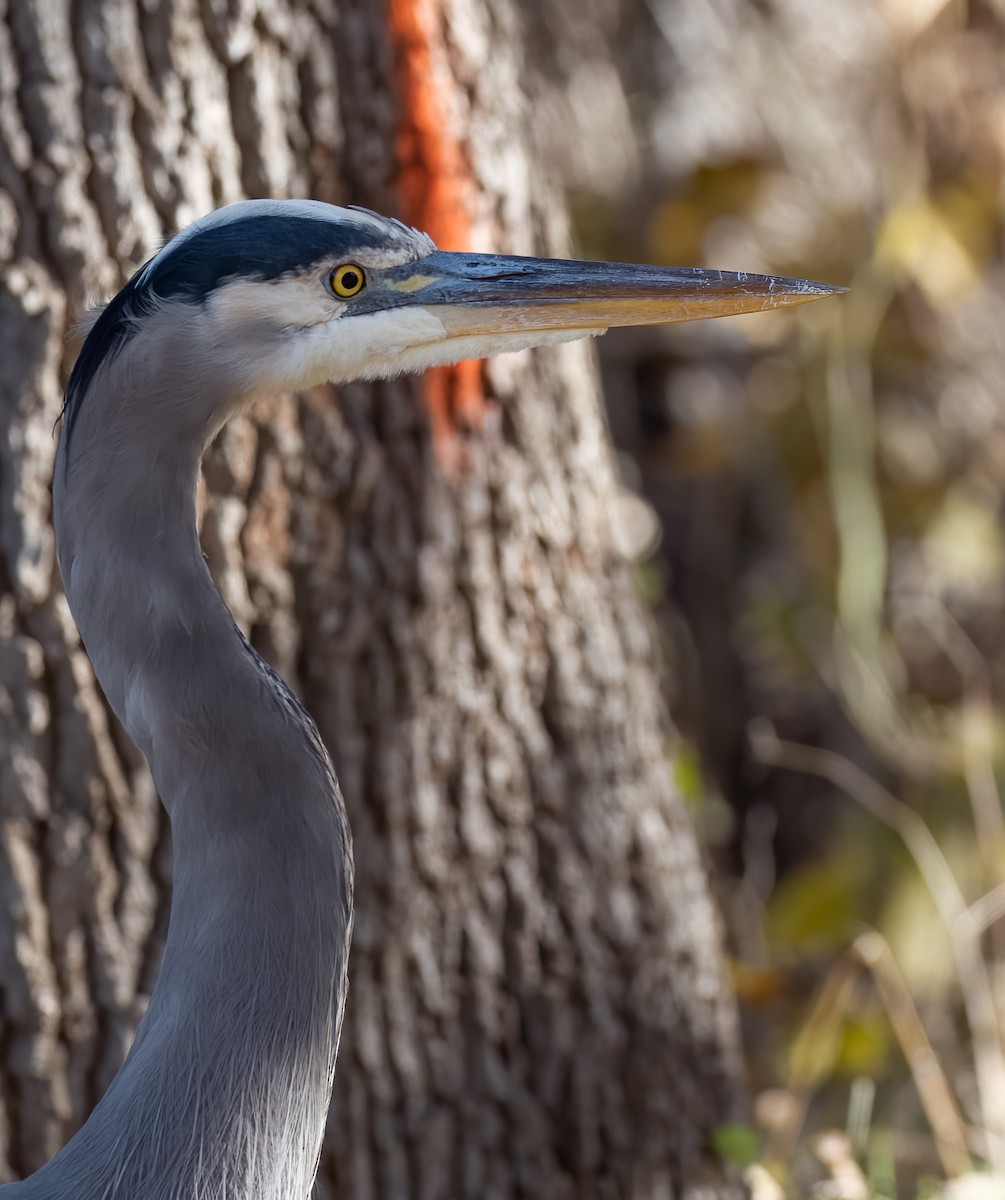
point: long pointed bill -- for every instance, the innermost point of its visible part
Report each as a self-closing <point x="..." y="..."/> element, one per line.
<point x="485" y="294"/>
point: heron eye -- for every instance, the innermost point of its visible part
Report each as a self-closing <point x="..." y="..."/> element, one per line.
<point x="347" y="279"/>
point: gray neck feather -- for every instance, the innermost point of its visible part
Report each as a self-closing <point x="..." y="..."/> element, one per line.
<point x="225" y="1092"/>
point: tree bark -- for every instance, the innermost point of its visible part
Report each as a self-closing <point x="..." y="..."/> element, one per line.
<point x="537" y="1002"/>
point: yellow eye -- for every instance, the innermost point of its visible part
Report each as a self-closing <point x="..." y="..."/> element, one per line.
<point x="347" y="280"/>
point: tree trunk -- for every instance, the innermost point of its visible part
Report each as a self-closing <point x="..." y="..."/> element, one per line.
<point x="537" y="1004"/>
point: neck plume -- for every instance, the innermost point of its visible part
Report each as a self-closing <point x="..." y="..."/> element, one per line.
<point x="225" y="1092"/>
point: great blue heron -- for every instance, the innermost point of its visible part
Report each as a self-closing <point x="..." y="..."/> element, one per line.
<point x="224" y="1093"/>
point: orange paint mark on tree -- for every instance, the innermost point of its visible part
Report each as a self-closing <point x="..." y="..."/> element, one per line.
<point x="436" y="190"/>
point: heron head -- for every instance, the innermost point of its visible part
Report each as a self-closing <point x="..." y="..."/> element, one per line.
<point x="268" y="295"/>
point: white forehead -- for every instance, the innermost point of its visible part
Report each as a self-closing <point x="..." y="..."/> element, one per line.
<point x="315" y="210"/>
<point x="398" y="241"/>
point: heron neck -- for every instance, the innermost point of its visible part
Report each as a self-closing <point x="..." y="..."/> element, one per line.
<point x="226" y="1089"/>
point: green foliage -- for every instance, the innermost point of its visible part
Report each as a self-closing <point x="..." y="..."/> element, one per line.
<point x="737" y="1145"/>
<point x="815" y="907"/>
<point x="687" y="774"/>
<point x="865" y="1045"/>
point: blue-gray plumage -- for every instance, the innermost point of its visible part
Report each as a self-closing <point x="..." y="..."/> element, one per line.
<point x="225" y="1091"/>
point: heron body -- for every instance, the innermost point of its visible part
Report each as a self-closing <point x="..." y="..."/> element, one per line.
<point x="225" y="1091"/>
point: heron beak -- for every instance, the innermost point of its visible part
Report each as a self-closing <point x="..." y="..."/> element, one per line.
<point x="485" y="294"/>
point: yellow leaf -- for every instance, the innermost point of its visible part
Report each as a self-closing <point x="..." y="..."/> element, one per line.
<point x="917" y="239"/>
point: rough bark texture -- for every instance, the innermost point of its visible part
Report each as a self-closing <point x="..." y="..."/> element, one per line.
<point x="537" y="1006"/>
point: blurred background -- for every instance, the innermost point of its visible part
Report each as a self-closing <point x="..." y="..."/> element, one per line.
<point x="814" y="509"/>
